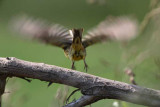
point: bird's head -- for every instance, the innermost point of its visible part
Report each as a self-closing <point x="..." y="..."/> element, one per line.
<point x="76" y="32"/>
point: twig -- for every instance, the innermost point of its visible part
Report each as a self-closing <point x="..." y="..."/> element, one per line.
<point x="147" y="18"/>
<point x="71" y="95"/>
<point x="92" y="87"/>
<point x="131" y="75"/>
<point x="83" y="101"/>
<point x="28" y="80"/>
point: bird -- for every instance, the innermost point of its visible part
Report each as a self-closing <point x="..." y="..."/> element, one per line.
<point x="121" y="28"/>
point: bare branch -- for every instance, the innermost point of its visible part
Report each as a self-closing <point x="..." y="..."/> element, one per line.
<point x="2" y="86"/>
<point x="92" y="87"/>
<point x="83" y="101"/>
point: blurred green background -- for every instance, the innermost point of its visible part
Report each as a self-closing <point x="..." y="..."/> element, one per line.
<point x="106" y="60"/>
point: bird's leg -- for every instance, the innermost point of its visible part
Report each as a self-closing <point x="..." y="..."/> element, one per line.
<point x="73" y="67"/>
<point x="85" y="65"/>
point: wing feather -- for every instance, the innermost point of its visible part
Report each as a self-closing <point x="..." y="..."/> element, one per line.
<point x="122" y="28"/>
<point x="54" y="34"/>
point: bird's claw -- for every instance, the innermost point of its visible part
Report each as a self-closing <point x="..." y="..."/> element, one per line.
<point x="86" y="67"/>
<point x="73" y="67"/>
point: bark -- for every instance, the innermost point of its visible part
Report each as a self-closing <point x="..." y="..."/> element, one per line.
<point x="92" y="87"/>
<point x="2" y="86"/>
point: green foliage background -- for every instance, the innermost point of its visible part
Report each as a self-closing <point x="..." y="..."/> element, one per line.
<point x="73" y="13"/>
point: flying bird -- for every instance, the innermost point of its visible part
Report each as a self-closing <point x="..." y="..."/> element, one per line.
<point x="121" y="28"/>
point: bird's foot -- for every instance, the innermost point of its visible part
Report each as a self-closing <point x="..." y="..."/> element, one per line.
<point x="73" y="67"/>
<point x="85" y="67"/>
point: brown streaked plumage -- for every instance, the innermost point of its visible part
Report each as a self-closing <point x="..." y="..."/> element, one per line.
<point x="71" y="41"/>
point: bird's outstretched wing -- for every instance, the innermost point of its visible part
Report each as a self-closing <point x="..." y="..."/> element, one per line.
<point x="113" y="28"/>
<point x="54" y="34"/>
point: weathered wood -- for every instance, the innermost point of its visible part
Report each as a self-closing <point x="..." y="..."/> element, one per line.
<point x="94" y="88"/>
<point x="2" y="86"/>
<point x="83" y="101"/>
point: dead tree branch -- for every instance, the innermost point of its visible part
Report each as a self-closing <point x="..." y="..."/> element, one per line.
<point x="92" y="87"/>
<point x="2" y="86"/>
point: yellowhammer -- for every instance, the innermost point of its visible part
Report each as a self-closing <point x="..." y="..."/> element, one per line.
<point x="121" y="28"/>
